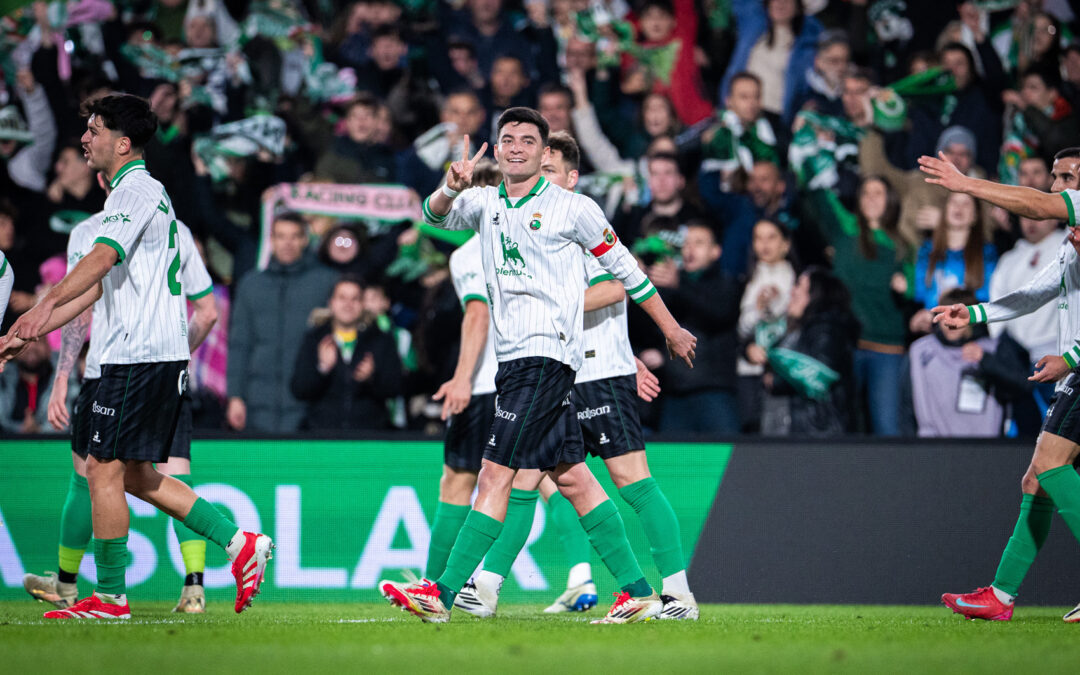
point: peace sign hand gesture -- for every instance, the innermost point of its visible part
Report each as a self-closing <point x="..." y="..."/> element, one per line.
<point x="459" y="177"/>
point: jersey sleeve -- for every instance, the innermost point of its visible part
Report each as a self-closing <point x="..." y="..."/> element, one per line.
<point x="465" y="212"/>
<point x="594" y="233"/>
<point x="1039" y="291"/>
<point x="194" y="278"/>
<point x="467" y="274"/>
<point x="594" y="273"/>
<point x="1072" y="203"/>
<point x="127" y="214"/>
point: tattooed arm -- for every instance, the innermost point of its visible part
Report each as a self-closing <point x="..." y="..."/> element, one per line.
<point x="72" y="336"/>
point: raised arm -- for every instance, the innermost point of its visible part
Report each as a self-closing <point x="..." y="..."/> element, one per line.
<point x="1022" y="201"/>
<point x="458" y="178"/>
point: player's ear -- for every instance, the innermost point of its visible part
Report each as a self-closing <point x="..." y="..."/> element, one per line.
<point x="495" y="151"/>
<point x="573" y="179"/>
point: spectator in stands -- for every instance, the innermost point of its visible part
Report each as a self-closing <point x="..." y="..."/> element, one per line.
<point x="764" y="302"/>
<point x="776" y="42"/>
<point x="555" y="102"/>
<point x="25" y="390"/>
<point x="27" y="139"/>
<point x="948" y="396"/>
<point x="744" y="133"/>
<point x="668" y="27"/>
<point x="466" y="67"/>
<point x="921" y="203"/>
<point x="357" y="156"/>
<point x="705" y="300"/>
<point x="870" y="258"/>
<point x="1049" y="121"/>
<point x="75" y="187"/>
<point x="508" y="87"/>
<point x="814" y="369"/>
<point x="270" y="312"/>
<point x="423" y="165"/>
<point x="823" y="86"/>
<point x="346" y="368"/>
<point x="667" y="186"/>
<point x="485" y="25"/>
<point x="1071" y="66"/>
<point x="956" y="255"/>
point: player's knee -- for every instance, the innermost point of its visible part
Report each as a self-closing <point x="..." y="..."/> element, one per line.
<point x="455" y="487"/>
<point x="1029" y="485"/>
<point x="491" y="482"/>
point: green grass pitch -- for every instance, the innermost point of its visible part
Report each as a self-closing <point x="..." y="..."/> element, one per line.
<point x="325" y="639"/>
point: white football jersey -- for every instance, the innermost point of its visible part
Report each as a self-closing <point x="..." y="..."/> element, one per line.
<point x="606" y="338"/>
<point x="467" y="272"/>
<point x="145" y="316"/>
<point x="1057" y="282"/>
<point x="533" y="266"/>
<point x="193" y="276"/>
<point x="7" y="280"/>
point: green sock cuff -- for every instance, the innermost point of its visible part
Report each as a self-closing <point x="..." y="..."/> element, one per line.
<point x="206" y="520"/>
<point x="484" y="524"/>
<point x="602" y="512"/>
<point x="111" y="557"/>
<point x="556" y="499"/>
<point x="79" y="481"/>
<point x="1037" y="503"/>
<point x="1056" y="471"/>
<point x="638" y="589"/>
<point x="634" y="492"/>
<point x="524" y="496"/>
<point x="453" y="510"/>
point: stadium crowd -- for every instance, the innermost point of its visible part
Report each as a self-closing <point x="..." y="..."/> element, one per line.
<point x="758" y="157"/>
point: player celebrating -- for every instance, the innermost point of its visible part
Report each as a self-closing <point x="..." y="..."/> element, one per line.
<point x="531" y="235"/>
<point x="1050" y="480"/>
<point x="75" y="523"/>
<point x="134" y="268"/>
<point x="604" y="394"/>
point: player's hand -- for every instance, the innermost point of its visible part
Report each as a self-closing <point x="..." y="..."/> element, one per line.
<point x="30" y="324"/>
<point x="459" y="176"/>
<point x="328" y="355"/>
<point x="951" y="316"/>
<point x="10" y="347"/>
<point x="236" y="413"/>
<point x="940" y="171"/>
<point x="58" y="412"/>
<point x="681" y="345"/>
<point x="1074" y="237"/>
<point x="1050" y="368"/>
<point x="648" y="385"/>
<point x="455" y="394"/>
<point x="365" y="369"/>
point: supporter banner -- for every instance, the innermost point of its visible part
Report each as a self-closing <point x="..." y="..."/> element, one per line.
<point x="344" y="514"/>
<point x="359" y="202"/>
<point x="877" y="523"/>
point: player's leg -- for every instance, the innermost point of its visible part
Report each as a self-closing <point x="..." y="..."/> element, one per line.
<point x="630" y="473"/>
<point x="600" y="519"/>
<point x="463" y="452"/>
<point x="1055" y="450"/>
<point x="532" y="393"/>
<point x="76" y="529"/>
<point x="455" y="494"/>
<point x="192" y="546"/>
<point x="481" y="597"/>
<point x="580" y="593"/>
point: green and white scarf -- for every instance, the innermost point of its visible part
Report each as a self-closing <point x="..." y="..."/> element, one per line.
<point x="733" y="145"/>
<point x="244" y="138"/>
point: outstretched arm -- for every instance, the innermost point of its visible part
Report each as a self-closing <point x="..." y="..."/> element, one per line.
<point x="1025" y="202"/>
<point x="40" y="320"/>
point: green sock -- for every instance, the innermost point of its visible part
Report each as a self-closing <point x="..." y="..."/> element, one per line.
<point x="515" y="532"/>
<point x="192" y="546"/>
<point x="210" y="523"/>
<point x="76" y="525"/>
<point x="1031" y="529"/>
<point x="448" y="521"/>
<point x="605" y="528"/>
<point x="659" y="522"/>
<point x="1063" y="486"/>
<point x="574" y="540"/>
<point x="111" y="556"/>
<point x="476" y="537"/>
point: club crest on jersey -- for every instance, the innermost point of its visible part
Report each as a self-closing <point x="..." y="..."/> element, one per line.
<point x="534" y="224"/>
<point x="609" y="237"/>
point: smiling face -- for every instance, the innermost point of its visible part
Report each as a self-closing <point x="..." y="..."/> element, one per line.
<point x="520" y="151"/>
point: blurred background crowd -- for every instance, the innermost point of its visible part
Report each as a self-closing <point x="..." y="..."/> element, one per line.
<point x="758" y="156"/>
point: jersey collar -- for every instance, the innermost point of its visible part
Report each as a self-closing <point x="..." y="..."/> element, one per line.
<point x="125" y="170"/>
<point x="540" y="186"/>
